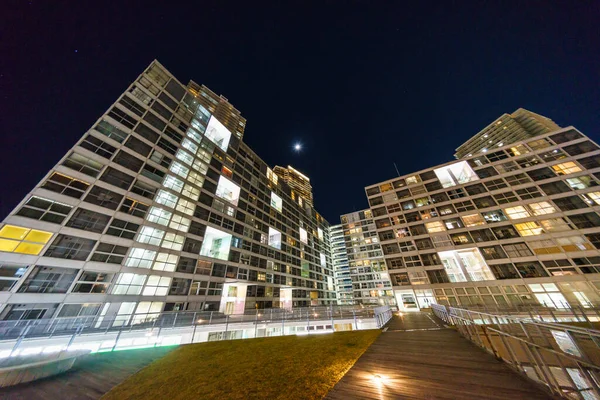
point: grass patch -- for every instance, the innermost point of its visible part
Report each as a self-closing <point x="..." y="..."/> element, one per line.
<point x="283" y="367"/>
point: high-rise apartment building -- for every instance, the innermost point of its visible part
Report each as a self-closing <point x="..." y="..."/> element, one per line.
<point x="515" y="226"/>
<point x="161" y="206"/>
<point x="299" y="183"/>
<point x="339" y="258"/>
<point x="509" y="128"/>
<point x="370" y="280"/>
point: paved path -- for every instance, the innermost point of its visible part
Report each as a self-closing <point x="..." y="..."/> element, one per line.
<point x="417" y="358"/>
<point x="89" y="379"/>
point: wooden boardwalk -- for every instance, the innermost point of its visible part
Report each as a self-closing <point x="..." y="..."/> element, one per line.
<point x="417" y="358"/>
<point x="89" y="379"/>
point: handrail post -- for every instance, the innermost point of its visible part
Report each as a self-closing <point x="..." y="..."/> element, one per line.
<point x="355" y="322"/>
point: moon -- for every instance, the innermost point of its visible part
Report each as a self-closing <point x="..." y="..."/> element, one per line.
<point x="297" y="147"/>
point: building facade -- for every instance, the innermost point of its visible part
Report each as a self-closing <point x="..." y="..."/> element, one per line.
<point x="161" y="206"/>
<point x="370" y="280"/>
<point x="339" y="258"/>
<point x="299" y="183"/>
<point x="508" y="129"/>
<point x="515" y="226"/>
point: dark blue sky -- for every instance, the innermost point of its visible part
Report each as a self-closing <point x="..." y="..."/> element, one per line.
<point x="361" y="84"/>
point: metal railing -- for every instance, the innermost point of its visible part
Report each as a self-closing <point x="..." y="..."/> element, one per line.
<point x="565" y="359"/>
<point x="71" y="329"/>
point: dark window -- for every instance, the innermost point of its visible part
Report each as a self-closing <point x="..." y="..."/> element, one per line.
<point x="153" y="173"/>
<point x="122" y="117"/>
<point x="570" y="203"/>
<point x="147" y="133"/>
<point x="117" y="178"/>
<point x="66" y="185"/>
<point x="484" y="202"/>
<point x="85" y="165"/>
<point x="111" y="131"/>
<point x="528" y="161"/>
<point x="506" y="197"/>
<point x="541" y="174"/>
<point x="475" y="189"/>
<point x="97" y="146"/>
<point x="482" y="235"/>
<point x="70" y="248"/>
<point x="418" y="230"/>
<point x="580" y="148"/>
<point x="438" y="276"/>
<point x="44" y="210"/>
<point x="132" y="105"/>
<point x="486" y="172"/>
<point x="155" y="121"/>
<point x="497" y="156"/>
<point x="103" y="198"/>
<point x="123" y="229"/>
<point x="504" y="271"/>
<point x="109" y="253"/>
<point x="88" y="220"/>
<point x="517" y="179"/>
<point x="48" y="280"/>
<point x="505" y="232"/>
<point x="169" y="132"/>
<point x="180" y="286"/>
<point x="590" y="162"/>
<point x="564" y="137"/>
<point x="134" y="208"/>
<point x="128" y="161"/>
<point x="168" y="101"/>
<point x="594" y="238"/>
<point x="167" y="146"/>
<point x="439" y="197"/>
<point x="162" y="111"/>
<point x="555" y="188"/>
<point x="425" y="176"/>
<point x="433" y="186"/>
<point x="187" y="265"/>
<point x="175" y="89"/>
<point x="138" y="146"/>
<point x="192" y="246"/>
<point x="493" y="252"/>
<point x="583" y="221"/>
<point x="372" y="191"/>
<point x="461" y="238"/>
<point x="531" y="269"/>
<point x="144" y="189"/>
<point x="516" y="250"/>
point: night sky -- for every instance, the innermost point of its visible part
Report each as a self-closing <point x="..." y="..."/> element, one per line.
<point x="361" y="85"/>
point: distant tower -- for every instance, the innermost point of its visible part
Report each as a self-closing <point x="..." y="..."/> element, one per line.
<point x="299" y="182"/>
<point x="509" y="128"/>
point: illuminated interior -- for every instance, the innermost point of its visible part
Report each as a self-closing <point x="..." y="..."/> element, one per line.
<point x="228" y="190"/>
<point x="216" y="244"/>
<point x="274" y="238"/>
<point x="460" y="264"/>
<point x="456" y="174"/>
<point x="217" y="133"/>
<point x="276" y="202"/>
<point x="17" y="239"/>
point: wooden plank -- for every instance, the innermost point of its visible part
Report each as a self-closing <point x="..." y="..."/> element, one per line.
<point x="430" y="363"/>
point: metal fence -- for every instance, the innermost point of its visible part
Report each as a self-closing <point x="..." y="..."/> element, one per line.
<point x="563" y="358"/>
<point x="126" y="325"/>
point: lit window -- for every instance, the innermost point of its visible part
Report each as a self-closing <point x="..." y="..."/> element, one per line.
<point x="201" y="167"/>
<point x="195" y="178"/>
<point x="516" y="212"/>
<point x="410" y="180"/>
<point x="150" y="235"/>
<point x="17" y="239"/>
<point x="130" y="284"/>
<point x="216" y="244"/>
<point x="455" y="174"/>
<point x="180" y="223"/>
<point x="594" y="196"/>
<point x="320" y="233"/>
<point x="170" y="182"/>
<point x="157" y="286"/>
<point x="272" y="176"/>
<point x="147" y="311"/>
<point x="180" y="169"/>
<point x="435" y="227"/>
<point x="555" y="225"/>
<point x="217" y="133"/>
<point x="274" y="238"/>
<point x="541" y="208"/>
<point x="166" y="198"/>
<point x="173" y="241"/>
<point x="473" y="220"/>
<point x="228" y="190"/>
<point x="276" y="202"/>
<point x="165" y="262"/>
<point x="185" y="206"/>
<point x="574" y="243"/>
<point x="140" y="258"/>
<point x="323" y="260"/>
<point x="303" y="236"/>
<point x="191" y="192"/>
<point x="566" y="168"/>
<point x="159" y="216"/>
<point x="529" y="229"/>
<point x="189" y="145"/>
<point x="185" y="157"/>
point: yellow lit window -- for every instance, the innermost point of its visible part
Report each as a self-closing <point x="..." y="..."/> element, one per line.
<point x="473" y="220"/>
<point x="17" y="239"/>
<point x="516" y="212"/>
<point x="566" y="168"/>
<point x="541" y="208"/>
<point x="413" y="179"/>
<point x="435" y="227"/>
<point x="385" y="187"/>
<point x="555" y="225"/>
<point x="529" y="229"/>
<point x="574" y="243"/>
<point x="595" y="196"/>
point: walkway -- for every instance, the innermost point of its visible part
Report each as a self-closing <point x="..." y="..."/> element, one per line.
<point x="90" y="379"/>
<point x="417" y="358"/>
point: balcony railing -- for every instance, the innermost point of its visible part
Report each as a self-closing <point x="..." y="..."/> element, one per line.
<point x="563" y="358"/>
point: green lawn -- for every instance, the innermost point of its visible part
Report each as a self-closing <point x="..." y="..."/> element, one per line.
<point x="283" y="367"/>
